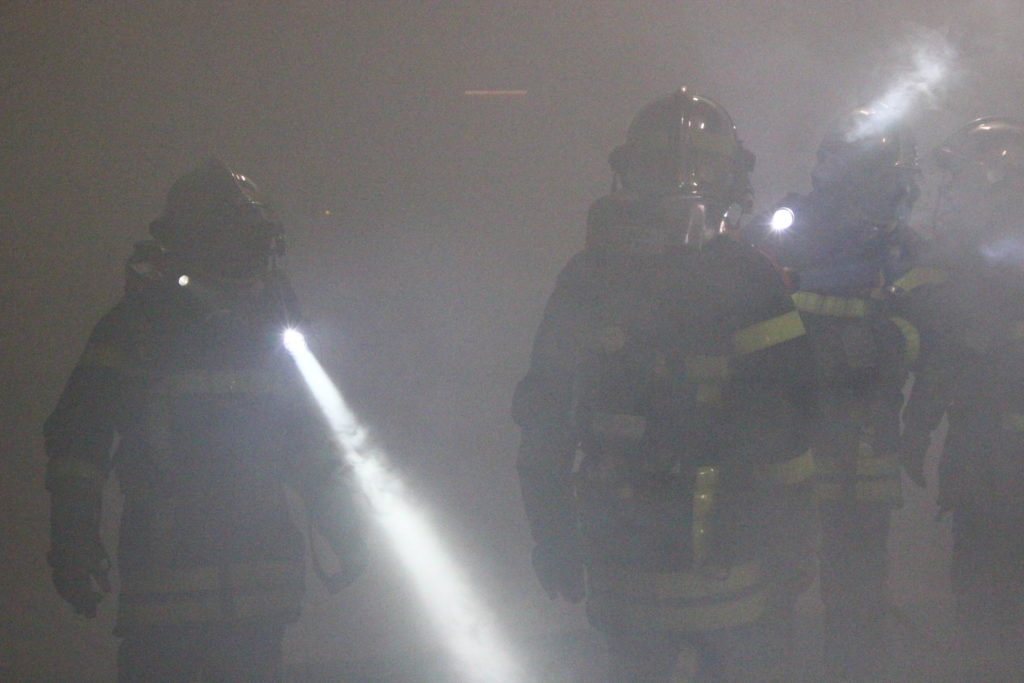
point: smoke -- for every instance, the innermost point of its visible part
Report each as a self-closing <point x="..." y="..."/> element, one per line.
<point x="923" y="72"/>
<point x="465" y="625"/>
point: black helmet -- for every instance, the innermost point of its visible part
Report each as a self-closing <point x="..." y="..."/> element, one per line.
<point x="980" y="206"/>
<point x="214" y="220"/>
<point x="868" y="161"/>
<point x="992" y="147"/>
<point x="684" y="146"/>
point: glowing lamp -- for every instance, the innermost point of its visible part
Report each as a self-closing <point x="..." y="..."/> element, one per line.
<point x="782" y="219"/>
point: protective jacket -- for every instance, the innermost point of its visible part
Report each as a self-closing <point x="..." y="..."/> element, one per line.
<point x="863" y="347"/>
<point x="677" y="377"/>
<point x="974" y="374"/>
<point x="208" y="421"/>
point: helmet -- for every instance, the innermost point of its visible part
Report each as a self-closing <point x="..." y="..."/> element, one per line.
<point x="867" y="162"/>
<point x="992" y="147"/>
<point x="214" y="221"/>
<point x="682" y="149"/>
<point x="981" y="204"/>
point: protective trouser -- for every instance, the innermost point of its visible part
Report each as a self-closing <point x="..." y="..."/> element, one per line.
<point x="853" y="588"/>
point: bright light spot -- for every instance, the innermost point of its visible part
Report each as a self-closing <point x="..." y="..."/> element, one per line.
<point x="294" y="341"/>
<point x="183" y="281"/>
<point x="782" y="219"/>
<point x="464" y="624"/>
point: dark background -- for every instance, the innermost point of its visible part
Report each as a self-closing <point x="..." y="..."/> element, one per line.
<point x="425" y="227"/>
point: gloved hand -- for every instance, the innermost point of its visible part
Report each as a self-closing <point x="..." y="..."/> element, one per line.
<point x="352" y="560"/>
<point x="913" y="449"/>
<point x="559" y="567"/>
<point x="81" y="571"/>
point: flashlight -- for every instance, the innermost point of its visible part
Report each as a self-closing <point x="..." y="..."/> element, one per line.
<point x="293" y="340"/>
<point x="184" y="280"/>
<point x="782" y="219"/>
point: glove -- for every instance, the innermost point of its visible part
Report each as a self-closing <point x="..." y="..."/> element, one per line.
<point x="559" y="570"/>
<point x="913" y="449"/>
<point x="80" y="573"/>
<point x="341" y="524"/>
<point x="352" y="560"/>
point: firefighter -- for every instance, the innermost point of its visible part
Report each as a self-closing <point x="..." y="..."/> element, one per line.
<point x="975" y="376"/>
<point x="185" y="392"/>
<point x="845" y="243"/>
<point x="665" y="347"/>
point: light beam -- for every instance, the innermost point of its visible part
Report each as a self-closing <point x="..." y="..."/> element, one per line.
<point x="466" y="626"/>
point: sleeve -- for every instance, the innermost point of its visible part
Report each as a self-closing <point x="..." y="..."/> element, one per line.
<point x="543" y="407"/>
<point x="79" y="433"/>
<point x="772" y="393"/>
<point x="317" y="472"/>
<point x="934" y="370"/>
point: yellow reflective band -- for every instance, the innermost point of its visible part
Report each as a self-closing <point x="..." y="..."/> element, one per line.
<point x="704" y="489"/>
<point x="75" y="469"/>
<point x="675" y="601"/>
<point x="706" y="367"/>
<point x="911" y="337"/>
<point x="1012" y="422"/>
<point x="919" y="276"/>
<point x="835" y="306"/>
<point x="868" y="466"/>
<point x="768" y="333"/>
<point x="793" y="471"/>
<point x="103" y="356"/>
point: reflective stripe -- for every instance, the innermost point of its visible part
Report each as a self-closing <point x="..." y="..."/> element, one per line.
<point x="77" y="470"/>
<point x="618" y="426"/>
<point x="835" y="306"/>
<point x="201" y="382"/>
<point x="919" y="276"/>
<point x="1012" y="422"/>
<point x="704" y="488"/>
<point x="911" y="337"/>
<point x="793" y="471"/>
<point x="98" y="355"/>
<point x="768" y="333"/>
<point x="675" y="601"/>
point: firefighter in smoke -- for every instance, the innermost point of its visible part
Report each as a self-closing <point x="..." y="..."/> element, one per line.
<point x="668" y="367"/>
<point x="185" y="380"/>
<point x="846" y="244"/>
<point x="975" y="375"/>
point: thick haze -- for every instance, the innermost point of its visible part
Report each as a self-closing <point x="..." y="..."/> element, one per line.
<point x="425" y="227"/>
